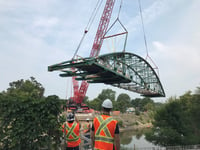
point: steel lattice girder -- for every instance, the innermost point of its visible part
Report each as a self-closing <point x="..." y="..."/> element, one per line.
<point x="122" y="69"/>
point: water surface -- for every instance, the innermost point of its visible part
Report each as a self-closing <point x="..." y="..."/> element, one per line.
<point x="130" y="138"/>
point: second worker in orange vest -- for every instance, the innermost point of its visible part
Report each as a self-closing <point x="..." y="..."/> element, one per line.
<point x="105" y="130"/>
<point x="71" y="130"/>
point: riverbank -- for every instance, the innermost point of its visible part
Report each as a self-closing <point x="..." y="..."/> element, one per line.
<point x="130" y="121"/>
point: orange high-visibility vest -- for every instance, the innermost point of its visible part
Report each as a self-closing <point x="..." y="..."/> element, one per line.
<point x="86" y="127"/>
<point x="104" y="129"/>
<point x="72" y="131"/>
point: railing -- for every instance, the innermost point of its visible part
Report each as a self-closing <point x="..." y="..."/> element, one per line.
<point x="143" y="148"/>
<point x="183" y="147"/>
<point x="85" y="142"/>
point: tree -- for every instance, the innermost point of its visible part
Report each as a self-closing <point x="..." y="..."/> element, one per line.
<point x="141" y="103"/>
<point x="123" y="102"/>
<point x="191" y="105"/>
<point x="23" y="89"/>
<point x="107" y="93"/>
<point x="194" y="116"/>
<point x="28" y="120"/>
<point x="149" y="106"/>
<point x="177" y="122"/>
<point x="168" y="125"/>
<point x="95" y="104"/>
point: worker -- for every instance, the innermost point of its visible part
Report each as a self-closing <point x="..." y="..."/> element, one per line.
<point x="71" y="130"/>
<point x="105" y="129"/>
<point x="86" y="130"/>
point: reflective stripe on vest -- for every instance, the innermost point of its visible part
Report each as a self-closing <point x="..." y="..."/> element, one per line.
<point x="86" y="128"/>
<point x="71" y="132"/>
<point x="103" y="126"/>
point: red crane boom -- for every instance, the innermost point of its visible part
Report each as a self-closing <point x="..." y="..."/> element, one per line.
<point x="79" y="94"/>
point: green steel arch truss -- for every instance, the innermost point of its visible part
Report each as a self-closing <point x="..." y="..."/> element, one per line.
<point x="122" y="69"/>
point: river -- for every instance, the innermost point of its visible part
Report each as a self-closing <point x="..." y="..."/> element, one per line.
<point x="131" y="138"/>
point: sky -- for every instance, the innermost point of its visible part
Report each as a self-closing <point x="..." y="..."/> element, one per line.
<point x="37" y="33"/>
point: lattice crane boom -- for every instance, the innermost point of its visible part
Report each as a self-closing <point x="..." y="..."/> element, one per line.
<point x="98" y="41"/>
<point x="102" y="28"/>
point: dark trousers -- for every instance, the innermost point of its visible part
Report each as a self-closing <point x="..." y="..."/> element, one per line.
<point x="87" y="146"/>
<point x="72" y="148"/>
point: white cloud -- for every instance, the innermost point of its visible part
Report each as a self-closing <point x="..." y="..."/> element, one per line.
<point x="178" y="66"/>
<point x="177" y="55"/>
<point x="45" y="22"/>
<point x="150" y="13"/>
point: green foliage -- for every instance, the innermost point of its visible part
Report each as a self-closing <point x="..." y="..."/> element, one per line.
<point x="27" y="119"/>
<point x="23" y="89"/>
<point x="107" y="93"/>
<point x="137" y="112"/>
<point x="177" y="122"/>
<point x="172" y="123"/>
<point x="122" y="103"/>
<point x="149" y="106"/>
<point x="95" y="104"/>
<point x="143" y="104"/>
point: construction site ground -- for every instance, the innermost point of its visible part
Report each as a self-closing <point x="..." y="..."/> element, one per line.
<point x="127" y="121"/>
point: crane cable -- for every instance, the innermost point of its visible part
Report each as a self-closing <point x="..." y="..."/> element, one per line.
<point x="113" y="45"/>
<point x="94" y="13"/>
<point x="87" y="28"/>
<point x="118" y="20"/>
<point x="120" y="7"/>
<point x="145" y="40"/>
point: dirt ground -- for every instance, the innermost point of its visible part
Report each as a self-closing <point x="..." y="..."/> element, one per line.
<point x="126" y="121"/>
<point x="132" y="121"/>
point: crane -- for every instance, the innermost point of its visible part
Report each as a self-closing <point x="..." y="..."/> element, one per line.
<point x="122" y="69"/>
<point x="79" y="93"/>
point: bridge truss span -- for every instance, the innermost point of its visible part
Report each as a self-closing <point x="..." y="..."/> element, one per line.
<point x="122" y="69"/>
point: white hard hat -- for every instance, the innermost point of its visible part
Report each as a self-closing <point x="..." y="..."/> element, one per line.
<point x="87" y="119"/>
<point x="107" y="104"/>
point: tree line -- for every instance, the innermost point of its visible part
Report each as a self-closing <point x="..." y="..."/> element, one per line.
<point x="122" y="102"/>
<point x="177" y="122"/>
<point x="29" y="120"/>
